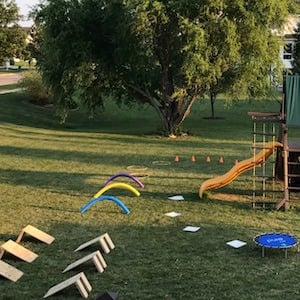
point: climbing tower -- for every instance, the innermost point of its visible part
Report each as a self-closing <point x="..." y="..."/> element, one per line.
<point x="266" y="190"/>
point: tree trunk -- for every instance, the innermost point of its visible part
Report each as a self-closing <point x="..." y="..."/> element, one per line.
<point x="212" y="104"/>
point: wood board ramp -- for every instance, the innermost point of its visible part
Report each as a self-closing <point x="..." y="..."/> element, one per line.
<point x="96" y="257"/>
<point x="19" y="251"/>
<point x="36" y="233"/>
<point x="80" y="281"/>
<point x="104" y="240"/>
<point x="10" y="272"/>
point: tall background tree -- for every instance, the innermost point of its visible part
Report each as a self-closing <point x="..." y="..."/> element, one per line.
<point x="296" y="51"/>
<point x="164" y="53"/>
<point x="12" y="36"/>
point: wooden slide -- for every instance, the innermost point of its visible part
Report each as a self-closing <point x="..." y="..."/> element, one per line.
<point x="239" y="168"/>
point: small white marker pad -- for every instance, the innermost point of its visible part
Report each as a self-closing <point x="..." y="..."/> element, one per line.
<point x="236" y="243"/>
<point x="176" y="198"/>
<point x="191" y="228"/>
<point x="173" y="214"/>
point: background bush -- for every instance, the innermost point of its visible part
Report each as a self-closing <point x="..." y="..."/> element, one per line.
<point x="34" y="88"/>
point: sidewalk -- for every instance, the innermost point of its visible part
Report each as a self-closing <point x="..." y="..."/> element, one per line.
<point x="9" y="78"/>
<point x="9" y="91"/>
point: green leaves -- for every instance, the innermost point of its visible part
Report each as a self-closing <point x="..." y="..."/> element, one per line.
<point x="165" y="53"/>
<point x="12" y="37"/>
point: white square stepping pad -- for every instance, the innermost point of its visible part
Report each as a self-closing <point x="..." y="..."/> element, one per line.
<point x="191" y="228"/>
<point x="173" y="214"/>
<point x="176" y="198"/>
<point x="236" y="243"/>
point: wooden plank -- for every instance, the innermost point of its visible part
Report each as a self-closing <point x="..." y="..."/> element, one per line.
<point x="94" y="257"/>
<point x="10" y="272"/>
<point x="104" y="240"/>
<point x="79" y="280"/>
<point x="36" y="233"/>
<point x="19" y="251"/>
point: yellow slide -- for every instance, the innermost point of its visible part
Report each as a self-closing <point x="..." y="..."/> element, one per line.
<point x="239" y="168"/>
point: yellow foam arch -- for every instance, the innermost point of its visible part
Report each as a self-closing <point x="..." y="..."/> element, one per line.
<point x="117" y="185"/>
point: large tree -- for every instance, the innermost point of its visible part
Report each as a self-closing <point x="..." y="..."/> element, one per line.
<point x="296" y="51"/>
<point x="164" y="53"/>
<point x="12" y="36"/>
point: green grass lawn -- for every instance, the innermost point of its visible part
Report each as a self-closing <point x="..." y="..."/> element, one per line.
<point x="8" y="87"/>
<point x="49" y="171"/>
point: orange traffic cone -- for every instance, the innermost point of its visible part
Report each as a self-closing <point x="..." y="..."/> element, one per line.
<point x="208" y="160"/>
<point x="193" y="158"/>
<point x="221" y="160"/>
<point x="176" y="158"/>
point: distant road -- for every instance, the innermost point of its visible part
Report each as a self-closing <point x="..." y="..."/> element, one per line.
<point x="9" y="78"/>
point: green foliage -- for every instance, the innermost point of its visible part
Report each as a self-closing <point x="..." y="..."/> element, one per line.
<point x="163" y="53"/>
<point x="296" y="51"/>
<point x="12" y="36"/>
<point x="34" y="88"/>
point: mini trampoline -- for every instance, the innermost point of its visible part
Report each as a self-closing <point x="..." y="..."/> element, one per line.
<point x="276" y="240"/>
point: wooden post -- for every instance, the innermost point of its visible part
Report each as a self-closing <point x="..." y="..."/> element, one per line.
<point x="285" y="200"/>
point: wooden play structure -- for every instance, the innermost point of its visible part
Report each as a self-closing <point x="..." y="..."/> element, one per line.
<point x="276" y="158"/>
<point x="284" y="166"/>
<point x="290" y="116"/>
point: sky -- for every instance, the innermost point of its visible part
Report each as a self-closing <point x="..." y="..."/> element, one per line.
<point x="24" y="8"/>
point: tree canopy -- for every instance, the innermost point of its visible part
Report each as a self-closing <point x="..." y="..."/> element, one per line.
<point x="164" y="53"/>
<point x="296" y="51"/>
<point x="12" y="36"/>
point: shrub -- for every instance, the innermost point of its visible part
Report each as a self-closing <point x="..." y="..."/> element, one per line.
<point x="34" y="88"/>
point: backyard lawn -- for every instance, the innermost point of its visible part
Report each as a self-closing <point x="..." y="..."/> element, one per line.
<point x="49" y="171"/>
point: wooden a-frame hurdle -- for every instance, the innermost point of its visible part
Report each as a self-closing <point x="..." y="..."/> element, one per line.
<point x="97" y="259"/>
<point x="104" y="240"/>
<point x="36" y="233"/>
<point x="15" y="249"/>
<point x="80" y="279"/>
